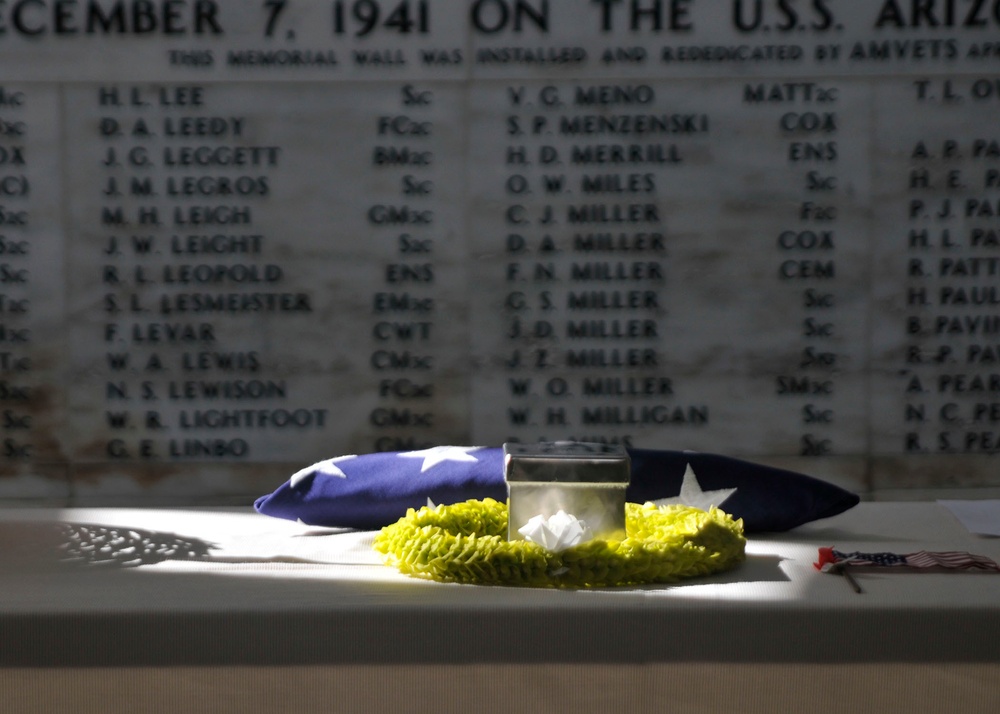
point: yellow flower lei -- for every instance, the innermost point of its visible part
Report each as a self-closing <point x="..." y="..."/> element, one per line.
<point x="467" y="543"/>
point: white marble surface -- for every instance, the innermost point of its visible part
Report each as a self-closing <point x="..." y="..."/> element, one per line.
<point x="276" y="573"/>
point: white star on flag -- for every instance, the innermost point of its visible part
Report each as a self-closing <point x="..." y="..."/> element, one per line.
<point x="692" y="495"/>
<point x="328" y="467"/>
<point x="439" y="454"/>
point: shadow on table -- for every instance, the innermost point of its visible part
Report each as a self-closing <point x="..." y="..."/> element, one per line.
<point x="127" y="547"/>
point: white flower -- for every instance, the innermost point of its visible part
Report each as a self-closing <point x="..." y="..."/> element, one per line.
<point x="557" y="532"/>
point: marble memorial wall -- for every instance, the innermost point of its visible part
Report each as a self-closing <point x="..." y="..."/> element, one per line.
<point x="239" y="237"/>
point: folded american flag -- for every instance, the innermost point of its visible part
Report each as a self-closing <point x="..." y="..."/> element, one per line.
<point x="831" y="560"/>
<point x="369" y="491"/>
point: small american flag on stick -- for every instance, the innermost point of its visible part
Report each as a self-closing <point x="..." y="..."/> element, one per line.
<point x="952" y="559"/>
<point x="838" y="562"/>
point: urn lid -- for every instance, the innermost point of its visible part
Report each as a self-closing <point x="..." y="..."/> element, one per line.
<point x="567" y="461"/>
